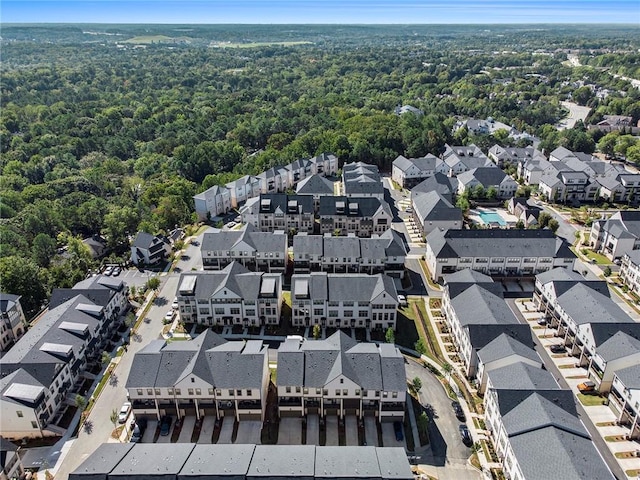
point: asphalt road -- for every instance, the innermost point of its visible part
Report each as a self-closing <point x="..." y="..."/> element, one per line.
<point x="582" y="414"/>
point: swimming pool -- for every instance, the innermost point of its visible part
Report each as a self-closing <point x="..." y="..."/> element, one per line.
<point x="492" y="217"/>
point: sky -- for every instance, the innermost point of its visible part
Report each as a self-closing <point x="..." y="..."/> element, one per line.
<point x="320" y="11"/>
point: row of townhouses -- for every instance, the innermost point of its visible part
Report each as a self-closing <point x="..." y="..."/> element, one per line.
<point x="188" y="461"/>
<point x="575" y="176"/>
<point x="383" y="253"/>
<point x="363" y="216"/>
<point x="41" y="370"/>
<point x="211" y="376"/>
<point x="534" y="424"/>
<point x="13" y="323"/>
<point x="617" y="235"/>
<point x="345" y="300"/>
<point x="496" y="252"/>
<point x="362" y="180"/>
<point x="218" y="200"/>
<point x="602" y="337"/>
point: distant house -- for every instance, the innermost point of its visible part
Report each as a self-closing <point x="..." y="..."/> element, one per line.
<point x="97" y="246"/>
<point x="617" y="235"/>
<point x="483" y="127"/>
<point x="527" y="214"/>
<point x="13" y="323"/>
<point x="149" y="249"/>
<point x="279" y="211"/>
<point x="611" y="123"/>
<point x="408" y="172"/>
<point x="433" y="211"/>
<point x="487" y="178"/>
<point x="362" y="180"/>
<point x="513" y="155"/>
<point x="402" y="109"/>
<point x="212" y="202"/>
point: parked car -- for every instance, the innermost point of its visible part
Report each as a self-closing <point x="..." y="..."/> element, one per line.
<point x="169" y="315"/>
<point x="124" y="412"/>
<point x="230" y="224"/>
<point x="402" y="300"/>
<point x="138" y="428"/>
<point x="397" y="429"/>
<point x="174" y="304"/>
<point x="108" y="271"/>
<point x="587" y="387"/>
<point x="165" y="425"/>
<point x="195" y="243"/>
<point x="116" y="271"/>
<point x="465" y="436"/>
<point x="457" y="409"/>
<point x="557" y="348"/>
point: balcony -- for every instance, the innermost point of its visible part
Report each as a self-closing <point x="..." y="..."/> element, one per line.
<point x="291" y="401"/>
<point x="249" y="404"/>
<point x="392" y="406"/>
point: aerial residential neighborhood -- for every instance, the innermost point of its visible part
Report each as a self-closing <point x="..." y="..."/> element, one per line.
<point x="265" y="250"/>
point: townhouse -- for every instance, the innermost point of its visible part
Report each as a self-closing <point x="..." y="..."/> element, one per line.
<point x="242" y="189"/>
<point x="317" y="186"/>
<point x="433" y="210"/>
<point x="619" y="187"/>
<point x="617" y="235"/>
<point x="624" y="398"/>
<point x="363" y="216"/>
<point x="617" y="351"/>
<point x="496" y="252"/>
<point x="11" y="464"/>
<point x="324" y="164"/>
<point x="514" y="156"/>
<point x="531" y="170"/>
<point x="439" y="183"/>
<point x="348" y="300"/>
<point x="630" y="270"/>
<point x="41" y="370"/>
<point x="213" y="202"/>
<point x="538" y="434"/>
<point x="188" y="461"/>
<point x="408" y="172"/>
<point x="205" y="376"/>
<point x="148" y="249"/>
<point x="13" y="323"/>
<point x="275" y="180"/>
<point x="109" y="292"/>
<point x="379" y="254"/>
<point x="338" y="376"/>
<point x="231" y="296"/>
<point x="459" y="159"/>
<point x="362" y="180"/>
<point x="279" y="211"/>
<point x="489" y="178"/>
<point x="527" y="214"/>
<point x="257" y="251"/>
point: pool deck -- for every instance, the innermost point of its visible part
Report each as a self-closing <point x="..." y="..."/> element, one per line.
<point x="509" y="220"/>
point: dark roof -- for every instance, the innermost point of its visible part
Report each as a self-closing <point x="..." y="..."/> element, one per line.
<point x="315" y="185"/>
<point x="439" y="183"/>
<point x="435" y="207"/>
<point x="366" y="206"/>
<point x="259" y="241"/>
<point x="281" y="202"/>
<point x="481" y="335"/>
<point x="101" y="462"/>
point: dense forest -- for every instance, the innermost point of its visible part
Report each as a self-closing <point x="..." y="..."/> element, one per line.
<point x="110" y="129"/>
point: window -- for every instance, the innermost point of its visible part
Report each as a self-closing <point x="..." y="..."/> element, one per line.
<point x="235" y="311"/>
<point x="139" y="392"/>
<point x="342" y="380"/>
<point x="297" y="389"/>
<point x="348" y="313"/>
<point x="193" y="380"/>
<point x="318" y="311"/>
<point x="230" y="393"/>
<point x="178" y="391"/>
<point x="211" y="391"/>
<point x="149" y="391"/>
<point x="20" y="414"/>
<point x="198" y="391"/>
<point x="365" y="393"/>
<point x="305" y="390"/>
<point x="377" y="393"/>
<point x="325" y="392"/>
<point x="190" y="391"/>
<point x="357" y="391"/>
<point x="394" y="394"/>
<point x="157" y="391"/>
<point x="170" y="391"/>
<point x="317" y="391"/>
<point x="239" y="392"/>
<point x="34" y="424"/>
<point x="337" y="392"/>
<point x="218" y="392"/>
<point x="249" y="392"/>
<point x="287" y="389"/>
<point x="345" y="392"/>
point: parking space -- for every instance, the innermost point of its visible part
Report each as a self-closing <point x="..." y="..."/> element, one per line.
<point x="167" y="438"/>
<point x="149" y="433"/>
<point x="389" y="436"/>
<point x="187" y="429"/>
<point x="206" y="432"/>
<point x="351" y="430"/>
<point x="371" y="431"/>
<point x="332" y="431"/>
<point x="313" y="429"/>
<point x="226" y="432"/>
<point x="249" y="432"/>
<point x="290" y="432"/>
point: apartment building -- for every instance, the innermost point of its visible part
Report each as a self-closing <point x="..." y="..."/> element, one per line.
<point x="324" y="164"/>
<point x="231" y="296"/>
<point x="11" y="467"/>
<point x="617" y="235"/>
<point x="242" y="189"/>
<point x="275" y="180"/>
<point x="317" y="186"/>
<point x="496" y="252"/>
<point x="40" y="371"/>
<point x="279" y="211"/>
<point x="148" y="249"/>
<point x="188" y="461"/>
<point x="363" y="216"/>
<point x="515" y="156"/>
<point x="624" y="398"/>
<point x="408" y="172"/>
<point x="257" y="251"/>
<point x="379" y="254"/>
<point x="212" y="202"/>
<point x="338" y="376"/>
<point x="488" y="178"/>
<point x="460" y="159"/>
<point x="619" y="187"/>
<point x="433" y="210"/>
<point x="205" y="376"/>
<point x="13" y="323"/>
<point x="630" y="270"/>
<point x="439" y="183"/>
<point x="347" y="300"/>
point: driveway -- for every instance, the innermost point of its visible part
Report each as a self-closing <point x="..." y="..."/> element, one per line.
<point x="249" y="432"/>
<point x="313" y="429"/>
<point x="226" y="432"/>
<point x="149" y="433"/>
<point x="206" y="432"/>
<point x="187" y="429"/>
<point x="351" y="430"/>
<point x="332" y="431"/>
<point x="371" y="431"/>
<point x="389" y="436"/>
<point x="290" y="432"/>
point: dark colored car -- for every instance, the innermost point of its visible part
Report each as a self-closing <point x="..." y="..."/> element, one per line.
<point x="165" y="425"/>
<point x="557" y="348"/>
<point x="195" y="243"/>
<point x="465" y="435"/>
<point x="397" y="428"/>
<point x="458" y="411"/>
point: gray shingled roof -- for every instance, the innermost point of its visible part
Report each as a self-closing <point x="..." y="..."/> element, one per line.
<point x="213" y="461"/>
<point x="478" y="305"/>
<point x="468" y="275"/>
<point x="487" y="176"/>
<point x="497" y="243"/>
<point x="436" y="208"/>
<point x="620" y="345"/>
<point x="481" y="335"/>
<point x="152" y="461"/>
<point x="439" y="183"/>
<point x="307" y="244"/>
<point x="101" y="462"/>
<point x="347" y="462"/>
<point x="630" y="376"/>
<point x="505" y="346"/>
<point x="585" y="305"/>
<point x="367" y="206"/>
<point x="315" y="185"/>
<point x="273" y="461"/>
<point x="424" y="164"/>
<point x="558" y="273"/>
<point x="341" y="247"/>
<point x="258" y="241"/>
<point x="522" y="376"/>
<point x="554" y="453"/>
<point x="393" y="465"/>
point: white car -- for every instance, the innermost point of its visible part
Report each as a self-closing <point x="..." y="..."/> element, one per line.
<point x="174" y="305"/>
<point x="169" y="315"/>
<point x="402" y="300"/>
<point x="124" y="412"/>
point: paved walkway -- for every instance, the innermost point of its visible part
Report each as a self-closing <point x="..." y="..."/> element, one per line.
<point x="290" y="431"/>
<point x="371" y="431"/>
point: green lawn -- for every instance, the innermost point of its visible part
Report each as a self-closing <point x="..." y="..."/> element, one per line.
<point x="591" y="400"/>
<point x="146" y="39"/>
